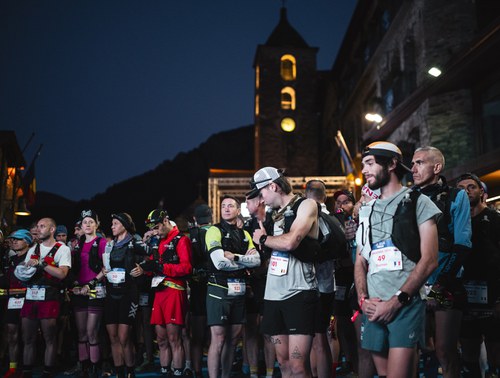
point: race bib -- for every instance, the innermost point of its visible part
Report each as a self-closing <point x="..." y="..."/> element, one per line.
<point x="35" y="293"/>
<point x="385" y="256"/>
<point x="236" y="286"/>
<point x="477" y="292"/>
<point x="340" y="293"/>
<point x="144" y="299"/>
<point x="157" y="280"/>
<point x="100" y="291"/>
<point x="15" y="303"/>
<point x="278" y="266"/>
<point x="116" y="276"/>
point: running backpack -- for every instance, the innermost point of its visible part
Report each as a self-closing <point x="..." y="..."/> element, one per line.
<point x="331" y="238"/>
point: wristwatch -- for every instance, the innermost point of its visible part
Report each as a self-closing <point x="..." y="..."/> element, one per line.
<point x="262" y="239"/>
<point x="403" y="298"/>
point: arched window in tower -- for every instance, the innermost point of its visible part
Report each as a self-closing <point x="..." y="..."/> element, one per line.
<point x="288" y="67"/>
<point x="257" y="77"/>
<point x="288" y="98"/>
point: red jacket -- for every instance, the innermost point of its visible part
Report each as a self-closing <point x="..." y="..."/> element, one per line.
<point x="185" y="266"/>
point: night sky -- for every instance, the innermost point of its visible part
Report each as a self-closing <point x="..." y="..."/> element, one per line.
<point x="113" y="88"/>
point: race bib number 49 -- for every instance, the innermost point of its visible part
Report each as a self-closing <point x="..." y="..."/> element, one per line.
<point x="385" y="256"/>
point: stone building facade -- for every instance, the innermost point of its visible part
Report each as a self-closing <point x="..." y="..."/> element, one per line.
<point x="383" y="67"/>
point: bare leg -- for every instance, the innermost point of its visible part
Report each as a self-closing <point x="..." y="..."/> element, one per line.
<point x="251" y="342"/>
<point x="218" y="337"/>
<point x="29" y="328"/>
<point x="321" y="351"/>
<point x="447" y="333"/>
<point x="163" y="345"/>
<point x="232" y="336"/>
<point x="49" y="329"/>
<point x="116" y="347"/>
<point x="175" y="342"/>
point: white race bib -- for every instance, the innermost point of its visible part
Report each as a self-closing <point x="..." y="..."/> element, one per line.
<point x="15" y="303"/>
<point x="35" y="293"/>
<point x="157" y="280"/>
<point x="278" y="266"/>
<point x="116" y="276"/>
<point x="236" y="286"/>
<point x="477" y="292"/>
<point x="100" y="291"/>
<point x="385" y="256"/>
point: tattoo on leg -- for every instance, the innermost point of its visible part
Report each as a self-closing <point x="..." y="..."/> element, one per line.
<point x="275" y="340"/>
<point x="296" y="355"/>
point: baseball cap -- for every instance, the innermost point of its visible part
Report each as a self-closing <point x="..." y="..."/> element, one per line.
<point x="22" y="234"/>
<point x="203" y="214"/>
<point x="386" y="149"/>
<point x="61" y="229"/>
<point x="264" y="176"/>
<point x="252" y="193"/>
<point x="154" y="217"/>
<point x="470" y="176"/>
<point x="347" y="193"/>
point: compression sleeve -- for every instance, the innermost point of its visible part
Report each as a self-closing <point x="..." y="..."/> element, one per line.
<point x="249" y="261"/>
<point x="462" y="232"/>
<point x="221" y="262"/>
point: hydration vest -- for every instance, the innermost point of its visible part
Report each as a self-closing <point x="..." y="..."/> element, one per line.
<point x="52" y="284"/>
<point x="232" y="240"/>
<point x="442" y="195"/>
<point x="405" y="234"/>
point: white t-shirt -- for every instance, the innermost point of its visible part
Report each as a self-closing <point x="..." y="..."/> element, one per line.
<point x="61" y="258"/>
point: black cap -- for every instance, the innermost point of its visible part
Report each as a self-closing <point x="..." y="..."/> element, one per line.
<point x="347" y="193"/>
<point x="252" y="193"/>
<point x="203" y="214"/>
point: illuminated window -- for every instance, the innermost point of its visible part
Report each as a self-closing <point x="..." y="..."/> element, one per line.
<point x="288" y="98"/>
<point x="257" y="77"/>
<point x="288" y="67"/>
<point x="256" y="105"/>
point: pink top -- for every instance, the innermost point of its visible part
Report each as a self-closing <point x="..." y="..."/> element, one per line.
<point x="86" y="274"/>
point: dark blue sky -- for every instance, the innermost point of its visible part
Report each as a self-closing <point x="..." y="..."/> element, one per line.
<point x="113" y="88"/>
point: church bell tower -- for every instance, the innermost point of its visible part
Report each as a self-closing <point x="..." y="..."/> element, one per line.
<point x="287" y="117"/>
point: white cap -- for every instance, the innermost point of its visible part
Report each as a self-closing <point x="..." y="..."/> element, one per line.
<point x="265" y="176"/>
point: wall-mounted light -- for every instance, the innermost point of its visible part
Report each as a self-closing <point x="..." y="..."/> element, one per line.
<point x="373" y="117"/>
<point x="22" y="210"/>
<point x="434" y="71"/>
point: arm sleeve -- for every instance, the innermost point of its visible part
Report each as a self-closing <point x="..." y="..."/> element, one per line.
<point x="460" y="215"/>
<point x="462" y="233"/>
<point x="184" y="267"/>
<point x="221" y="262"/>
<point x="249" y="261"/>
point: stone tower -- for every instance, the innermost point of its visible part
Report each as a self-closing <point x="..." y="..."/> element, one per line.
<point x="286" y="102"/>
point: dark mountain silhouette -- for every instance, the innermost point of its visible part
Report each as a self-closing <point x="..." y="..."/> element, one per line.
<point x="177" y="183"/>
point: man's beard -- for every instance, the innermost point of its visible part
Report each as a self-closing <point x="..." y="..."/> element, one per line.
<point x="475" y="201"/>
<point x="381" y="179"/>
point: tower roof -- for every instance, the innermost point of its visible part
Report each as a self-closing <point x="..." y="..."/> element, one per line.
<point x="284" y="35"/>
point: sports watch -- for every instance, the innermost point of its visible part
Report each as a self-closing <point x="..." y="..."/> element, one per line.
<point x="403" y="298"/>
<point x="262" y="239"/>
